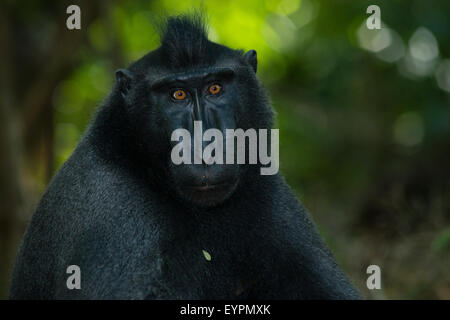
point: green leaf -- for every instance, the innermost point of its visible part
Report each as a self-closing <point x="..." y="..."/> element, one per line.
<point x="207" y="255"/>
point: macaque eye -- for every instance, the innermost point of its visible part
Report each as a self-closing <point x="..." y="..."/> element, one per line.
<point x="179" y="94"/>
<point x="215" y="88"/>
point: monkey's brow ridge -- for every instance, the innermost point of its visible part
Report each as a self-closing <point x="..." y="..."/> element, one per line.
<point x="196" y="73"/>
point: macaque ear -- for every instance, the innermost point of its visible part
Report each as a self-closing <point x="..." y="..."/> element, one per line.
<point x="124" y="79"/>
<point x="250" y="57"/>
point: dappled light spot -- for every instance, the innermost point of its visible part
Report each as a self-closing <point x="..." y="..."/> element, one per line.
<point x="373" y="40"/>
<point x="396" y="49"/>
<point x="422" y="55"/>
<point x="443" y="75"/>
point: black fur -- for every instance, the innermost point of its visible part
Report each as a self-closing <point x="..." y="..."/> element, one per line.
<point x="116" y="210"/>
<point x="184" y="41"/>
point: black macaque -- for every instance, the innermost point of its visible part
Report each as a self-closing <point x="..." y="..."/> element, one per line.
<point x="141" y="227"/>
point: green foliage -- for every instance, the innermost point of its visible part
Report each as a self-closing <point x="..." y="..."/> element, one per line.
<point x="442" y="241"/>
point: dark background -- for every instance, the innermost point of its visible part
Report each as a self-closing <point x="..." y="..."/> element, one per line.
<point x="364" y="116"/>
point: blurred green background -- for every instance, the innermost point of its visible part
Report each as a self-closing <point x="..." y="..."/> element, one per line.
<point x="364" y="116"/>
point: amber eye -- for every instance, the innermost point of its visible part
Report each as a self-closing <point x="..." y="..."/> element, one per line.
<point x="179" y="94"/>
<point x="215" y="88"/>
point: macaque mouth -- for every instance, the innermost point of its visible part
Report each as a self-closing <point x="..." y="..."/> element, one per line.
<point x="206" y="194"/>
<point x="213" y="187"/>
